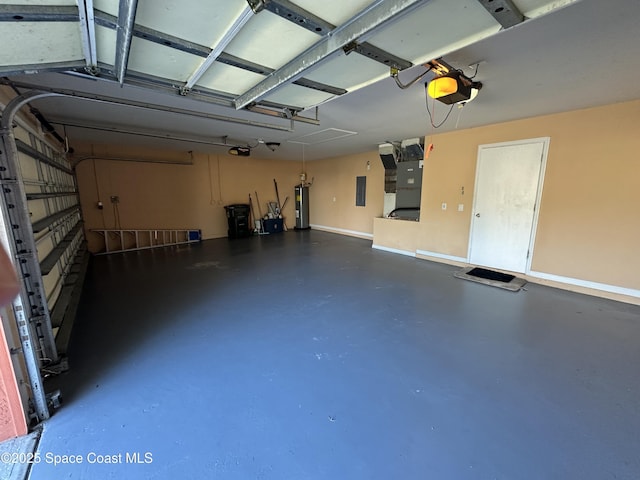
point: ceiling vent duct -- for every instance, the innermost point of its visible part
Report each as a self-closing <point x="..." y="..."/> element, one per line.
<point x="412" y="149"/>
<point x="389" y="155"/>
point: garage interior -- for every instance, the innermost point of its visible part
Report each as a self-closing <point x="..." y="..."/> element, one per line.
<point x="236" y="227"/>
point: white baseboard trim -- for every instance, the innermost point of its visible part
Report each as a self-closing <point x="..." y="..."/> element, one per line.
<point x="603" y="287"/>
<point x="629" y="292"/>
<point x="453" y="258"/>
<point x="394" y="250"/>
<point x="586" y="284"/>
<point x="342" y="231"/>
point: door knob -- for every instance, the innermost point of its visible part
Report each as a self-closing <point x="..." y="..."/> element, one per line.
<point x="478" y="215"/>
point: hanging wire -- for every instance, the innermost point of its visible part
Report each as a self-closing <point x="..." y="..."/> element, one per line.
<point x="394" y="75"/>
<point x="210" y="180"/>
<point x="303" y="174"/>
<point x="431" y="114"/>
<point x="476" y="72"/>
<point x="460" y="108"/>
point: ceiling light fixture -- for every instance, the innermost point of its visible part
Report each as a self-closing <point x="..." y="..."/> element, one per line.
<point x="273" y="146"/>
<point x="240" y="151"/>
<point x="453" y="87"/>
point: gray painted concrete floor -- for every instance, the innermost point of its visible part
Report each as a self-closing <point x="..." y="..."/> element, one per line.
<point x="308" y="355"/>
<point x="17" y="455"/>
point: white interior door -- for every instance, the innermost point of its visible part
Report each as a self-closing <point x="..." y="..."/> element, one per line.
<point x="506" y="192"/>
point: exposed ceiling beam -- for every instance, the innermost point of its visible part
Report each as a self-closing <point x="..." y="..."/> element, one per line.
<point x="363" y="24"/>
<point x="286" y="112"/>
<point x="88" y="34"/>
<point x="294" y="13"/>
<point x="504" y="11"/>
<point x="109" y="21"/>
<point x="227" y="37"/>
<point x="143" y="80"/>
<point x="263" y="70"/>
<point x="218" y="141"/>
<point x="124" y="32"/>
<point x="238" y="62"/>
<point x="9" y="70"/>
<point x="141" y="105"/>
<point x="37" y="13"/>
<point x="303" y="18"/>
<point x="157" y="84"/>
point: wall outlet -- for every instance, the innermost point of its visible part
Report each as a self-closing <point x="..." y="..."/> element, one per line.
<point x="115" y="199"/>
<point x="461" y="207"/>
<point x="444" y="206"/>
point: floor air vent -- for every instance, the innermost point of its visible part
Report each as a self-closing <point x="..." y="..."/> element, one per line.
<point x="491" y="277"/>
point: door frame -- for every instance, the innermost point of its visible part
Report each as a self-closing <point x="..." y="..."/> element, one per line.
<point x="536" y="212"/>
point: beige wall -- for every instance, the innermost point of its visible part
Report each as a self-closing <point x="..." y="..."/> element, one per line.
<point x="588" y="224"/>
<point x="588" y="221"/>
<point x="174" y="196"/>
<point x="332" y="197"/>
<point x="588" y="227"/>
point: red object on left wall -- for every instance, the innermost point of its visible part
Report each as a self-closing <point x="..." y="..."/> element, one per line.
<point x="12" y="419"/>
<point x="9" y="286"/>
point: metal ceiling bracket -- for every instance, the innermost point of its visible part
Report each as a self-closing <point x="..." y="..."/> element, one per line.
<point x="505" y="12"/>
<point x="439" y="67"/>
<point x="88" y="33"/>
<point x="227" y="37"/>
<point x="305" y="82"/>
<point x="301" y="17"/>
<point x="109" y="21"/>
<point x="283" y="113"/>
<point x="377" y="54"/>
<point x="361" y="25"/>
<point x="124" y="32"/>
<point x="257" y="5"/>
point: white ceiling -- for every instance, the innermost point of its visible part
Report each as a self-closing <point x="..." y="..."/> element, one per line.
<point x="564" y="56"/>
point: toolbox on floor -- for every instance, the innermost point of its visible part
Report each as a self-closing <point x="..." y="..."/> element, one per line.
<point x="273" y="225"/>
